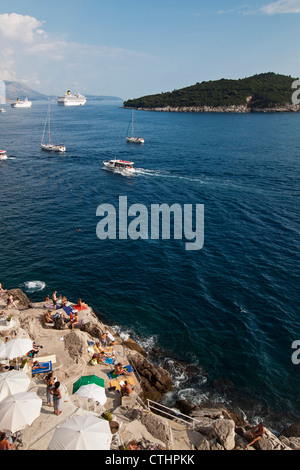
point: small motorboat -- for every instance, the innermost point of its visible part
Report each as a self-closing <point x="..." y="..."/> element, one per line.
<point x="3" y="155"/>
<point x="119" y="165"/>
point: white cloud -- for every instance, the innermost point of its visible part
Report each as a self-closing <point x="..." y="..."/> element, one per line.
<point x="29" y="53"/>
<point x="281" y="7"/>
<point x="20" y="28"/>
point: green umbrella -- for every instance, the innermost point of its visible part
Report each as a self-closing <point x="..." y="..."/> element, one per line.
<point x="88" y="379"/>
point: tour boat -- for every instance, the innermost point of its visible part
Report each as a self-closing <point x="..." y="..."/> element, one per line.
<point x="21" y="104"/>
<point x="132" y="139"/>
<point x="3" y="155"/>
<point x="118" y="165"/>
<point x="71" y="100"/>
<point x="50" y="146"/>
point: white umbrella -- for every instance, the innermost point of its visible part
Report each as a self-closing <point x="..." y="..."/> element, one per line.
<point x="2" y="349"/>
<point x="82" y="433"/>
<point x="93" y="391"/>
<point x="17" y="347"/>
<point x="14" y="381"/>
<point x="19" y="411"/>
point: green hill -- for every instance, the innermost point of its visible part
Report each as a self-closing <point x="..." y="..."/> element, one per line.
<point x="265" y="90"/>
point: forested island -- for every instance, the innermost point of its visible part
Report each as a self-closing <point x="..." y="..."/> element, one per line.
<point x="266" y="91"/>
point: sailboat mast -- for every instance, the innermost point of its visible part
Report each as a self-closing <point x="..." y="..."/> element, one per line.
<point x="49" y="122"/>
<point x="132" y="124"/>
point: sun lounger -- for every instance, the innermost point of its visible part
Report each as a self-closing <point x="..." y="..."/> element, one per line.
<point x="48" y="368"/>
<point x="51" y="357"/>
<point x="112" y="375"/>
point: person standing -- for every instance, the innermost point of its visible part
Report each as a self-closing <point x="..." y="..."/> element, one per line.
<point x="56" y="398"/>
<point x="54" y="298"/>
<point x="10" y="302"/>
<point x="50" y="385"/>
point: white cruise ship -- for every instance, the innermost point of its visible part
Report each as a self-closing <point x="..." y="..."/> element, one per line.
<point x="71" y="100"/>
<point x="21" y="104"/>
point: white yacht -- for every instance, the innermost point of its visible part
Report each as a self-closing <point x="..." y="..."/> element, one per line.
<point x="3" y="155"/>
<point x="119" y="165"/>
<point x="71" y="100"/>
<point x="133" y="139"/>
<point x="21" y="104"/>
<point x="49" y="146"/>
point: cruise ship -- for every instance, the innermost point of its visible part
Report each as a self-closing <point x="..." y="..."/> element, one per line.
<point x="21" y="104"/>
<point x="71" y="100"/>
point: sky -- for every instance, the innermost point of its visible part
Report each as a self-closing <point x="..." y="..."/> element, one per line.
<point x="131" y="48"/>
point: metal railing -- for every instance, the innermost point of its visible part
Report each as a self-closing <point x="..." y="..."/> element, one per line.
<point x="172" y="414"/>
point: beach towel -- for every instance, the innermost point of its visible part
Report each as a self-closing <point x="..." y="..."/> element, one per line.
<point x="48" y="305"/>
<point x="110" y="360"/>
<point x="68" y="310"/>
<point x="112" y="375"/>
<point x="43" y="371"/>
<point x="76" y="307"/>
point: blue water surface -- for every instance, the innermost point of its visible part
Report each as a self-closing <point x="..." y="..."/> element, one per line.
<point x="231" y="308"/>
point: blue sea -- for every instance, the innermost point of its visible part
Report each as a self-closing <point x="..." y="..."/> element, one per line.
<point x="222" y="319"/>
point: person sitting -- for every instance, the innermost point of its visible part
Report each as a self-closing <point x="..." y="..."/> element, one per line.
<point x="74" y="321"/>
<point x="104" y="339"/>
<point x="35" y="349"/>
<point x="98" y="347"/>
<point x="48" y="317"/>
<point x="47" y="298"/>
<point x="64" y="302"/>
<point x="126" y="389"/>
<point x="80" y="305"/>
<point x="119" y="369"/>
<point x="5" y="442"/>
<point x="256" y="433"/>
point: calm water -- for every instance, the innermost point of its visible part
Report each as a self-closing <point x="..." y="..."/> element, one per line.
<point x="230" y="310"/>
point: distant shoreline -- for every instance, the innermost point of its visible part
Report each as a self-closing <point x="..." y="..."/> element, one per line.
<point x="242" y="109"/>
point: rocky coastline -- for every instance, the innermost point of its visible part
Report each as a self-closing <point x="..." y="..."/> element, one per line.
<point x="242" y="109"/>
<point x="206" y="427"/>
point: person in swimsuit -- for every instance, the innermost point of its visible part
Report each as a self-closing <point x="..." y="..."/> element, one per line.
<point x="4" y="442"/>
<point x="50" y="385"/>
<point x="10" y="302"/>
<point x="54" y="298"/>
<point x="56" y="398"/>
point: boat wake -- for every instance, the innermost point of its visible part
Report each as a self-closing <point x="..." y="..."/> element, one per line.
<point x="165" y="174"/>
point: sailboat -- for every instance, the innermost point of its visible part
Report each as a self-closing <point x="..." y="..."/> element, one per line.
<point x="49" y="146"/>
<point x="132" y="138"/>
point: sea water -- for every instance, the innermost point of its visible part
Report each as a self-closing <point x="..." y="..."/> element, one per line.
<point x="223" y="318"/>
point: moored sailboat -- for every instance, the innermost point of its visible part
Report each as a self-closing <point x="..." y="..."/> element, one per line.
<point x="50" y="146"/>
<point x="133" y="139"/>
